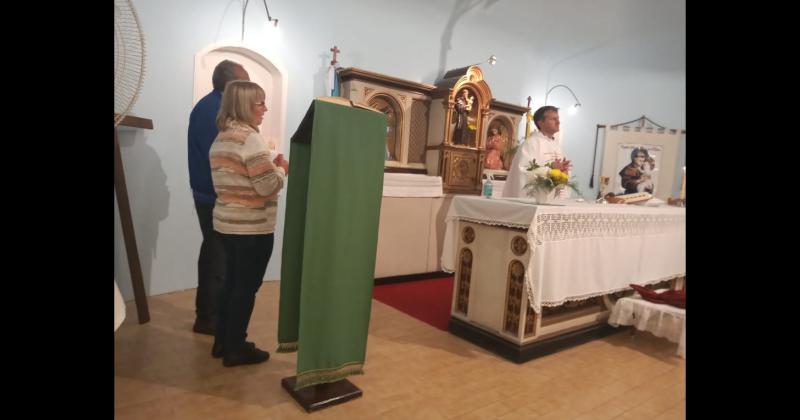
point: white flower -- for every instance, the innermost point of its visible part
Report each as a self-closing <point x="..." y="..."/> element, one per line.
<point x="542" y="171"/>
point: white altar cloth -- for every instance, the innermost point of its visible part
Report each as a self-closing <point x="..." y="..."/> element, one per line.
<point x="580" y="250"/>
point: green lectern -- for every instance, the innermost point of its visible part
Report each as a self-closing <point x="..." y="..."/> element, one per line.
<point x="330" y="238"/>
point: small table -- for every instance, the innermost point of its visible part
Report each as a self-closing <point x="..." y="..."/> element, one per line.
<point x="660" y="319"/>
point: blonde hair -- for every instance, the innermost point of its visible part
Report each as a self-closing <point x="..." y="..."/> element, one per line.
<point x="237" y="103"/>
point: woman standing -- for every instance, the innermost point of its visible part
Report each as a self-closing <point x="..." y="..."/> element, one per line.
<point x="247" y="183"/>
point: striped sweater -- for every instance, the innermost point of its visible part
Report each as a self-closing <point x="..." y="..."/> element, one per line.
<point x="246" y="181"/>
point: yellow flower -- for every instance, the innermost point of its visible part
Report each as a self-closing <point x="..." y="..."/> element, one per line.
<point x="558" y="176"/>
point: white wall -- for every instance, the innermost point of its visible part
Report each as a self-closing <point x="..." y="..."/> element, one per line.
<point x="623" y="60"/>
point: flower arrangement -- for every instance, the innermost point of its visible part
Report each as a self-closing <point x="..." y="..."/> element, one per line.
<point x="545" y="179"/>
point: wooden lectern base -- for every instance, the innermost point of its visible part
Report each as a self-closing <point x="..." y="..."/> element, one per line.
<point x="321" y="396"/>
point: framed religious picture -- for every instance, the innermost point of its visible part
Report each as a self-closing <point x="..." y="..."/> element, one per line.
<point x="641" y="159"/>
<point x="637" y="168"/>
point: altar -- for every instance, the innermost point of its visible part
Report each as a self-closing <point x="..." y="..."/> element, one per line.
<point x="533" y="279"/>
<point x="438" y="141"/>
<point x="411" y="229"/>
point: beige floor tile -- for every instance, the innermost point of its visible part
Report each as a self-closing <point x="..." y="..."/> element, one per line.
<point x="164" y="371"/>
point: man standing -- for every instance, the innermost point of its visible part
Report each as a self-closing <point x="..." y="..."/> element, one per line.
<point x="202" y="132"/>
<point x="541" y="145"/>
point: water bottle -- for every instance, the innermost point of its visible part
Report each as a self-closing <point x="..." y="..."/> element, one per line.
<point x="487" y="188"/>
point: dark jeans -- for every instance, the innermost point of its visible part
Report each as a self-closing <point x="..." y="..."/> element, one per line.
<point x="247" y="258"/>
<point x="210" y="266"/>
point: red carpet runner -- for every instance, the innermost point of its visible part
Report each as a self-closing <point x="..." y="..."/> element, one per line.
<point x="426" y="300"/>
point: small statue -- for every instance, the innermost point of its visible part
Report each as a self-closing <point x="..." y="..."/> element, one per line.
<point x="495" y="145"/>
<point x="463" y="107"/>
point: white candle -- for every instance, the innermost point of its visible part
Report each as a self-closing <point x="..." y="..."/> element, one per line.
<point x="683" y="185"/>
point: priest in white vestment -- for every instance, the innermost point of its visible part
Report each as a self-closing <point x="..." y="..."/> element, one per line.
<point x="542" y="146"/>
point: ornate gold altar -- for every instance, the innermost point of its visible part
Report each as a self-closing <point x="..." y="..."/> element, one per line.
<point x="456" y="142"/>
<point x="440" y="129"/>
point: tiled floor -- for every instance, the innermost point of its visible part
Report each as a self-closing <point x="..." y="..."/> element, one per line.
<point x="164" y="371"/>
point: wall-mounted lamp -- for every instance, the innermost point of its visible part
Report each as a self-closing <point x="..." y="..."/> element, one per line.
<point x="491" y="60"/>
<point x="269" y="18"/>
<point x="575" y="107"/>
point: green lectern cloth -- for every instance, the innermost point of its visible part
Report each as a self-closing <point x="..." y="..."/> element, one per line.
<point x="330" y="238"/>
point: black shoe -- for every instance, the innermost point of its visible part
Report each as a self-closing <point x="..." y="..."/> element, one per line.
<point x="248" y="356"/>
<point x="204" y="327"/>
<point x="218" y="350"/>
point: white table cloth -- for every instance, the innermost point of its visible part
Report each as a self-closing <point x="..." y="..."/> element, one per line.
<point x="660" y="319"/>
<point x="580" y="250"/>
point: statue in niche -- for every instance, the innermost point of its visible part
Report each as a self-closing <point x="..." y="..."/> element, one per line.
<point x="464" y="132"/>
<point x="390" y="133"/>
<point x="495" y="148"/>
<point x="383" y="105"/>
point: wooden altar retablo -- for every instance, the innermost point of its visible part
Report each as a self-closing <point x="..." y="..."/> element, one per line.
<point x="457" y="130"/>
<point x="440" y="129"/>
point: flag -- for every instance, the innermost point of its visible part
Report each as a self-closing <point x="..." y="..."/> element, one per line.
<point x="332" y="81"/>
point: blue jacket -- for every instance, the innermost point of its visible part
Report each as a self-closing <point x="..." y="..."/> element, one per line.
<point x="202" y="132"/>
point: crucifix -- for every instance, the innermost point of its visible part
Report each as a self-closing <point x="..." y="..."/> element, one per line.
<point x="335" y="51"/>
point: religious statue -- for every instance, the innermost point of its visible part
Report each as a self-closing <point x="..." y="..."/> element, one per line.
<point x="463" y="107"/>
<point x="495" y="146"/>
